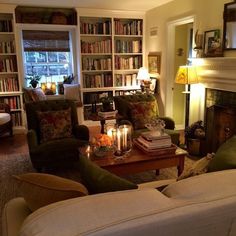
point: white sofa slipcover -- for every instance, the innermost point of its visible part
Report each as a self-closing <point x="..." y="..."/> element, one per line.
<point x="200" y="205"/>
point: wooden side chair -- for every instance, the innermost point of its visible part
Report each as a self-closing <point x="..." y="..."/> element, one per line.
<point x="5" y="119"/>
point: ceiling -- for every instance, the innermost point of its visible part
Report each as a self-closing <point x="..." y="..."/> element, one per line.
<point x="133" y="5"/>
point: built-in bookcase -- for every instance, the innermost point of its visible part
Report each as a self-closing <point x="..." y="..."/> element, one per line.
<point x="111" y="50"/>
<point x="10" y="90"/>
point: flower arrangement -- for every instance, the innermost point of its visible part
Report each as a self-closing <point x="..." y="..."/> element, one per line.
<point x="34" y="80"/>
<point x="102" y="140"/>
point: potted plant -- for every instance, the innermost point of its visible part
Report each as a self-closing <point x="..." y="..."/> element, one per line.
<point x="195" y="136"/>
<point x="34" y="80"/>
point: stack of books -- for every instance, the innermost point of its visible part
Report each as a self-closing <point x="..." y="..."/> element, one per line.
<point x="107" y="114"/>
<point x="151" y="142"/>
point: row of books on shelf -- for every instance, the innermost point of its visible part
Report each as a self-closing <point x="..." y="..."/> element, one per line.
<point x="7" y="47"/>
<point x="122" y="46"/>
<point x="16" y="118"/>
<point x="6" y="26"/>
<point x="103" y="46"/>
<point x="131" y="28"/>
<point x="96" y="64"/>
<point x="12" y="101"/>
<point x="97" y="81"/>
<point x="9" y="84"/>
<point x="133" y="62"/>
<point x="126" y="80"/>
<point x="95" y="28"/>
<point x="8" y="65"/>
<point x="127" y="92"/>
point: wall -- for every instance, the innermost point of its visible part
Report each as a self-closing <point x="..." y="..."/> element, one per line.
<point x="208" y="15"/>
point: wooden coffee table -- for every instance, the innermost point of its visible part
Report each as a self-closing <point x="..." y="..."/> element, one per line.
<point x="138" y="161"/>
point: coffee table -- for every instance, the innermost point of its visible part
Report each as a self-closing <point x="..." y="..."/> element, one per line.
<point x="138" y="161"/>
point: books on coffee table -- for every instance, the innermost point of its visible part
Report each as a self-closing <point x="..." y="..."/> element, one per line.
<point x="149" y="141"/>
<point x="106" y="114"/>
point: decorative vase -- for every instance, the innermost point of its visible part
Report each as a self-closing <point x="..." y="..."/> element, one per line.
<point x="106" y="106"/>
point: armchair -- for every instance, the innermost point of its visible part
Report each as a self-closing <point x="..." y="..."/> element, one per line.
<point x="54" y="134"/>
<point x="137" y="108"/>
<point x="5" y="119"/>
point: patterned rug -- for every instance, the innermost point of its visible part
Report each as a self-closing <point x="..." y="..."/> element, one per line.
<point x="20" y="163"/>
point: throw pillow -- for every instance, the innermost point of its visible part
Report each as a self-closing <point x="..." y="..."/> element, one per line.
<point x="33" y="95"/>
<point x="40" y="190"/>
<point x="225" y="157"/>
<point x="199" y="167"/>
<point x="54" y="125"/>
<point x="72" y="92"/>
<point x="142" y="113"/>
<point x="98" y="180"/>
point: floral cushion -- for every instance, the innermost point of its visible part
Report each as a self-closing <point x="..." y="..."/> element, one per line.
<point x="55" y="125"/>
<point x="142" y="112"/>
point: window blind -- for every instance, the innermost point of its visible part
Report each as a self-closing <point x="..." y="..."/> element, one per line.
<point x="50" y="41"/>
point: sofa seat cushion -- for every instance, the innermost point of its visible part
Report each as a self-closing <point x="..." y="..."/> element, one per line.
<point x="40" y="189"/>
<point x="99" y="180"/>
<point x="209" y="186"/>
<point x="225" y="157"/>
<point x="4" y="118"/>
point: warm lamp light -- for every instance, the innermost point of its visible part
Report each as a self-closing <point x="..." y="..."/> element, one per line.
<point x="186" y="75"/>
<point x="145" y="79"/>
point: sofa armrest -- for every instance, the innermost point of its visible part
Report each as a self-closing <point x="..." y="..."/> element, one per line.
<point x="156" y="184"/>
<point x="81" y="132"/>
<point x="169" y="122"/>
<point x="32" y="139"/>
<point x="14" y="213"/>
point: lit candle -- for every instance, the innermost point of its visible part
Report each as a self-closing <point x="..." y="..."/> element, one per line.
<point x="109" y="133"/>
<point x="118" y="140"/>
<point x="125" y="137"/>
<point x="88" y="151"/>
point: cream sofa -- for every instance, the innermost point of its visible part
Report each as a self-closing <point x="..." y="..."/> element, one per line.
<point x="200" y="205"/>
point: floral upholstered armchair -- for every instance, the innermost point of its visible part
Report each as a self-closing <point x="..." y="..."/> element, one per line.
<point x="54" y="134"/>
<point x="139" y="109"/>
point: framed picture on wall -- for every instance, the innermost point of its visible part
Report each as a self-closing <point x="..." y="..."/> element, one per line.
<point x="212" y="43"/>
<point x="154" y="63"/>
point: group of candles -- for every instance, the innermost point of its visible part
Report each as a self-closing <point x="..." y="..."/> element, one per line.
<point x="121" y="138"/>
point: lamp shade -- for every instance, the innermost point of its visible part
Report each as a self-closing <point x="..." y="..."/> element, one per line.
<point x="143" y="74"/>
<point x="186" y="75"/>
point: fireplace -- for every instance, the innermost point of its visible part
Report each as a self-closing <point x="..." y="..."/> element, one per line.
<point x="220" y="117"/>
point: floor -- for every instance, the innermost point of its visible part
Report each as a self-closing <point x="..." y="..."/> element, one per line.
<point x="18" y="143"/>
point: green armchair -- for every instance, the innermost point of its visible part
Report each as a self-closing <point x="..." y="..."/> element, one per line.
<point x="54" y="134"/>
<point x="137" y="108"/>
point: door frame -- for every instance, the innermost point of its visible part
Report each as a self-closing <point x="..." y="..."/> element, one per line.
<point x="170" y="60"/>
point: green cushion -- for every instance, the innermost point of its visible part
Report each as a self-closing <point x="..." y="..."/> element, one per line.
<point x="98" y="180"/>
<point x="225" y="157"/>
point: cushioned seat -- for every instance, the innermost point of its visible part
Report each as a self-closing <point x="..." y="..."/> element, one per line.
<point x="54" y="134"/>
<point x="139" y="109"/>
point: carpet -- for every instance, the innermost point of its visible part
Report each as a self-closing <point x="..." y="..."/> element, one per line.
<point x="20" y="163"/>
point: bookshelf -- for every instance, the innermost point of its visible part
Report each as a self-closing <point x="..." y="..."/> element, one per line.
<point x="111" y="52"/>
<point x="10" y="88"/>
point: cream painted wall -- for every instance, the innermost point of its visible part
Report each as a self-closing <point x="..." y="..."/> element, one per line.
<point x="208" y="15"/>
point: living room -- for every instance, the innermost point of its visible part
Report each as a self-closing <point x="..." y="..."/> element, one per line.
<point x="161" y="38"/>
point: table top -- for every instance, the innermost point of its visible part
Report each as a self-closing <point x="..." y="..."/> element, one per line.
<point x="135" y="155"/>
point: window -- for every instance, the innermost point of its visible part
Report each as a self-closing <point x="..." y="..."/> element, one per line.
<point x="48" y="54"/>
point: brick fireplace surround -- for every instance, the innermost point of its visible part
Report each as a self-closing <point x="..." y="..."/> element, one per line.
<point x="218" y="76"/>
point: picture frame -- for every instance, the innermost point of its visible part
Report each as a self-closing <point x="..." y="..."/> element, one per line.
<point x="212" y="43"/>
<point x="154" y="63"/>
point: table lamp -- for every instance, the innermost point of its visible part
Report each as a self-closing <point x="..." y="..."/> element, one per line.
<point x="144" y="77"/>
<point x="186" y="75"/>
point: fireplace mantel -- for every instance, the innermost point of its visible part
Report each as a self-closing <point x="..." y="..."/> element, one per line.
<point x="217" y="72"/>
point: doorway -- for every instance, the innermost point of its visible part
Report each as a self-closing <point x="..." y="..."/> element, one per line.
<point x="179" y="49"/>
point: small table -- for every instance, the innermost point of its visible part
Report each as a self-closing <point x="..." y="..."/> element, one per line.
<point x="138" y="161"/>
<point x="96" y="117"/>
